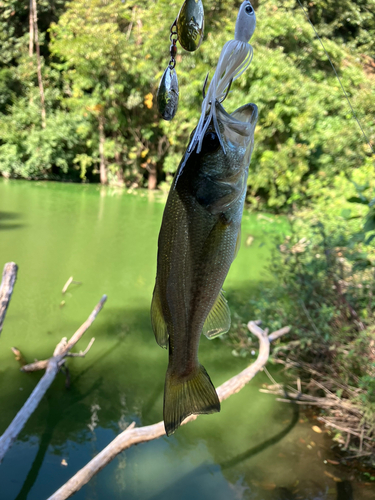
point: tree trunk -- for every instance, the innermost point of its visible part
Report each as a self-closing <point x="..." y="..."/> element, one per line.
<point x="39" y="65"/>
<point x="103" y="168"/>
<point x="31" y="29"/>
<point x="120" y="172"/>
<point x="152" y="176"/>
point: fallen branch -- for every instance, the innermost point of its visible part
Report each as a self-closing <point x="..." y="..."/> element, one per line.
<point x="294" y="396"/>
<point x="18" y="356"/>
<point x="343" y="415"/>
<point x="132" y="435"/>
<point x="6" y="289"/>
<point x="52" y="366"/>
<point x="69" y="282"/>
<point x="65" y="287"/>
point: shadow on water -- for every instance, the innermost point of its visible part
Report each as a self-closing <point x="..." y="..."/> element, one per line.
<point x="53" y="419"/>
<point x="262" y="446"/>
<point x="193" y="476"/>
<point x="5" y="217"/>
<point x="344" y="491"/>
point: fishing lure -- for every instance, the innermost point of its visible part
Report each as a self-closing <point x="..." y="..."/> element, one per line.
<point x="234" y="59"/>
<point x="187" y="29"/>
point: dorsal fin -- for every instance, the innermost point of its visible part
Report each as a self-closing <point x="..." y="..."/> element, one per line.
<point x="218" y="320"/>
<point x="157" y="319"/>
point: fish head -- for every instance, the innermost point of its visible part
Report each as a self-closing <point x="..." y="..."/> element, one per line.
<point x="237" y="131"/>
<point x="218" y="173"/>
<point x="228" y="141"/>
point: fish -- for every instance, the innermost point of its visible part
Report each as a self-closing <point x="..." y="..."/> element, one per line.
<point x="199" y="237"/>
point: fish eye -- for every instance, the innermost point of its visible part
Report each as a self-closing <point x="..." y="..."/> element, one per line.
<point x="211" y="142"/>
<point x="249" y="9"/>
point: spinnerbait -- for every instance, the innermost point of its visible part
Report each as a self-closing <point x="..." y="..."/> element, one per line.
<point x="187" y="29"/>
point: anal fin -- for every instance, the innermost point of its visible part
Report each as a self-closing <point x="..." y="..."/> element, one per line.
<point x="218" y="320"/>
<point x="157" y="320"/>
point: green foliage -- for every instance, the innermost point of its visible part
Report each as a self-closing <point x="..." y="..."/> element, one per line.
<point x="367" y="232"/>
<point x="323" y="285"/>
<point x="350" y="21"/>
<point x="102" y="61"/>
<point x="14" y="26"/>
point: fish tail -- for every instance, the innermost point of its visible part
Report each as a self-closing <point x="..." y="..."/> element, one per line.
<point x="186" y="396"/>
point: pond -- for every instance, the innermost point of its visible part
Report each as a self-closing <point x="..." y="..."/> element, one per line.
<point x="255" y="448"/>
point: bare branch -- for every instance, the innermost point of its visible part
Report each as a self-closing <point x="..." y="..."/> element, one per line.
<point x="52" y="366"/>
<point x="37" y="365"/>
<point x="65" y="287"/>
<point x="70" y="282"/>
<point x="278" y="333"/>
<point x="6" y="289"/>
<point x="39" y="64"/>
<point x="31" y="29"/>
<point x="18" y="356"/>
<point x="82" y="354"/>
<point x="132" y="436"/>
<point x="345" y="429"/>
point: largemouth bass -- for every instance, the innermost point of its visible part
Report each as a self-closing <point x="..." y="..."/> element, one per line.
<point x="198" y="240"/>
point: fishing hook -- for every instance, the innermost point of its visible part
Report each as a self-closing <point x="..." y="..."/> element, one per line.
<point x="226" y="92"/>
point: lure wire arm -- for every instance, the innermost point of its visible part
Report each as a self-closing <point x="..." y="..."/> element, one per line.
<point x="204" y="86"/>
<point x="226" y="92"/>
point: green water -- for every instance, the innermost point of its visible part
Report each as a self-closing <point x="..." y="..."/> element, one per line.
<point x="256" y="448"/>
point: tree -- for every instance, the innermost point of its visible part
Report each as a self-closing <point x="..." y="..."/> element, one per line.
<point x="101" y="72"/>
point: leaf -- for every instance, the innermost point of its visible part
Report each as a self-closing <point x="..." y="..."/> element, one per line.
<point x="356" y="199"/>
<point x="361" y="265"/>
<point x="316" y="429"/>
<point x="345" y="213"/>
<point x="335" y="478"/>
<point x="361" y="188"/>
<point x="370" y="224"/>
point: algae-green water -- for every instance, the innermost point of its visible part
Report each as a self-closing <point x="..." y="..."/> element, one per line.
<point x="255" y="448"/>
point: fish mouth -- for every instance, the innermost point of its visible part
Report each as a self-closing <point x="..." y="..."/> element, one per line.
<point x="243" y="118"/>
<point x="247" y="113"/>
<point x="238" y="127"/>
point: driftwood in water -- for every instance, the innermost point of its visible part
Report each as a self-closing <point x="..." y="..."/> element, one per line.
<point x="133" y="435"/>
<point x="52" y="366"/>
<point x="69" y="282"/>
<point x="6" y="288"/>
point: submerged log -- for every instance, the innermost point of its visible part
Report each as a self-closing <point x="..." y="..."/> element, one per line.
<point x="135" y="435"/>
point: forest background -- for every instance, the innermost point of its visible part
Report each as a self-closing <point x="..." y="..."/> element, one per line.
<point x="90" y="116"/>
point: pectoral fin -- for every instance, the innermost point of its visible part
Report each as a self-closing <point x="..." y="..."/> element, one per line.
<point x="157" y="319"/>
<point x="218" y="320"/>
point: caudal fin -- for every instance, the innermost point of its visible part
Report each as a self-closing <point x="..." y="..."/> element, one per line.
<point x="184" y="397"/>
